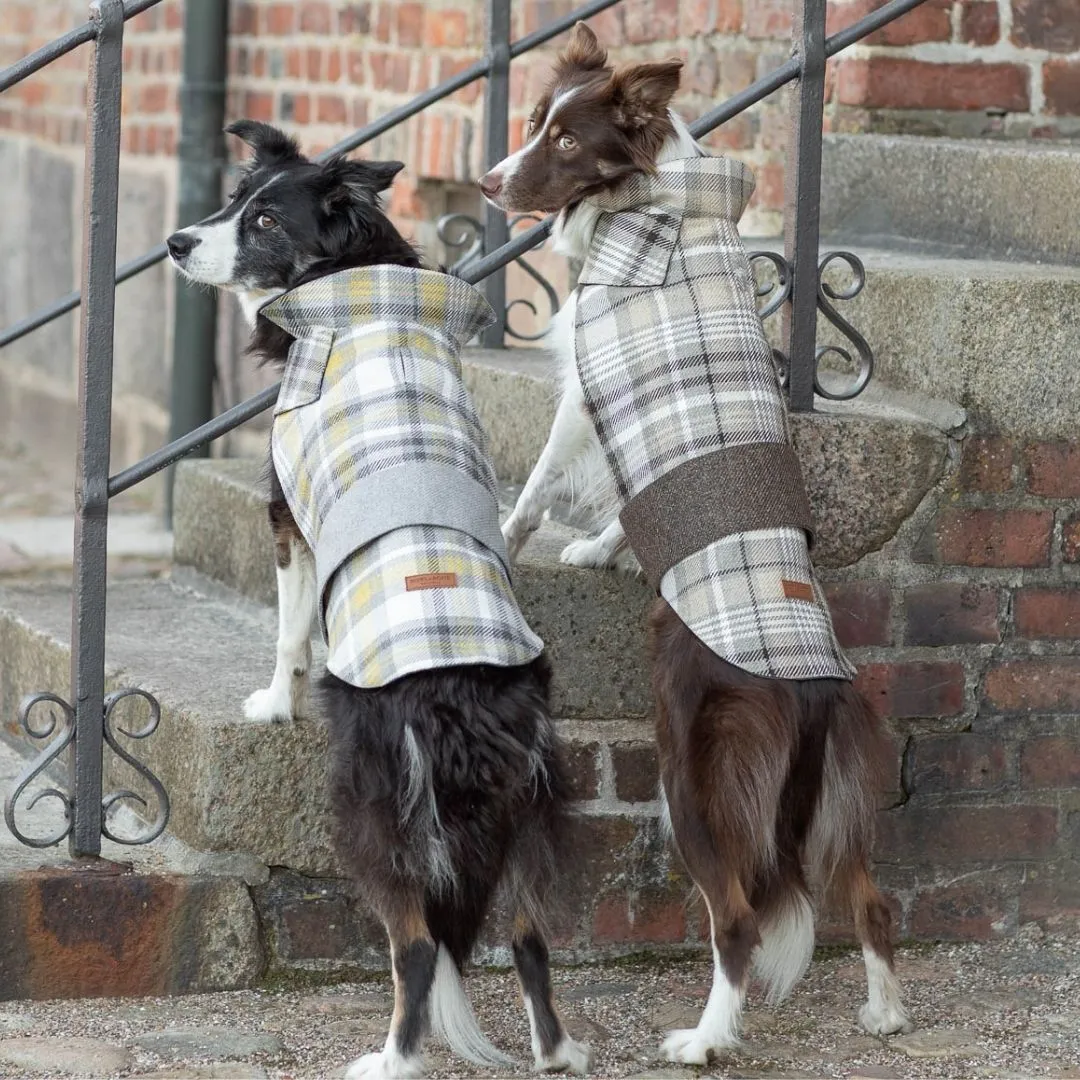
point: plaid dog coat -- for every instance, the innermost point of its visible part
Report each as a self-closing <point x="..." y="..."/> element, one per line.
<point x="384" y="465"/>
<point x="681" y="386"/>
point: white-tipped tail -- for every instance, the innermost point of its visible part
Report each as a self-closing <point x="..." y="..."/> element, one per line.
<point x="787" y="946"/>
<point x="453" y="1019"/>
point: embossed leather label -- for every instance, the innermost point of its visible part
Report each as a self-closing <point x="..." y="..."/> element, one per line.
<point x="430" y="581"/>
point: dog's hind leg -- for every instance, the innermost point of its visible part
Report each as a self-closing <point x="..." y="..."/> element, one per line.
<point x="414" y="958"/>
<point x="286" y="696"/>
<point x="553" y="1049"/>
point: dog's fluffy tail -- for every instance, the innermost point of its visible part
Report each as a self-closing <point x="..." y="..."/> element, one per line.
<point x="453" y="1019"/>
<point x="787" y="943"/>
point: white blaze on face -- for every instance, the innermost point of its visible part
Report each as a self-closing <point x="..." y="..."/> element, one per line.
<point x="510" y="166"/>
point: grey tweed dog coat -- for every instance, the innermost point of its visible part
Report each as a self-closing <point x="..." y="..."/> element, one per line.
<point x="385" y="467"/>
<point x="681" y="386"/>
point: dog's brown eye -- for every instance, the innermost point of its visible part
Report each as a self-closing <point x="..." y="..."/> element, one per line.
<point x="566" y="142"/>
<point x="265" y="221"/>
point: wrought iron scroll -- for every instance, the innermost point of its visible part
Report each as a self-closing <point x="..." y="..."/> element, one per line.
<point x="776" y="293"/>
<point x="463" y="231"/>
<point x="39" y="768"/>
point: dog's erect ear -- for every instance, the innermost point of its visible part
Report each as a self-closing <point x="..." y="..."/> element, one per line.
<point x="347" y="182"/>
<point x="583" y="50"/>
<point x="383" y="172"/>
<point x="271" y="146"/>
<point x="644" y="91"/>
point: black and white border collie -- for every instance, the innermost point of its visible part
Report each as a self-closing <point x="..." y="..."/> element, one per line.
<point x="460" y="736"/>
<point x="747" y="825"/>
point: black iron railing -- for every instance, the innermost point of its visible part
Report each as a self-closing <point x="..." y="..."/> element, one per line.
<point x="86" y="724"/>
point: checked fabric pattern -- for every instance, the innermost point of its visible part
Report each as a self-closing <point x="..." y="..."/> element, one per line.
<point x="378" y="447"/>
<point x="674" y="365"/>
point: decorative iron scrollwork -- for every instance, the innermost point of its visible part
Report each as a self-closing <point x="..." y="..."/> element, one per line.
<point x="39" y="765"/>
<point x="158" y="826"/>
<point x="62" y="716"/>
<point x="779" y="291"/>
<point x="458" y="231"/>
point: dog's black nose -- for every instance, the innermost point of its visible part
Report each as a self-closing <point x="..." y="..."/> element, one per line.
<point x="491" y="184"/>
<point x="180" y="244"/>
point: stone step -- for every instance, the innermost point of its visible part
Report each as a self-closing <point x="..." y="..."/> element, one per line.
<point x="985" y="198"/>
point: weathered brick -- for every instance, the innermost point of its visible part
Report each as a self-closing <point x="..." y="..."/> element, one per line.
<point x="1053" y="25"/>
<point x="1053" y="469"/>
<point x="913" y="689"/>
<point x="1070" y="539"/>
<point x="962" y="761"/>
<point x="1050" y="894"/>
<point x="698" y="17"/>
<point x="583" y="771"/>
<point x="258" y="106"/>
<point x="354" y="18"/>
<point x="891" y="82"/>
<point x="315" y="17"/>
<point x="279" y="19"/>
<point x="410" y="24"/>
<point x="446" y="29"/>
<point x="1061" y="87"/>
<point x="636" y="771"/>
<point x="331" y="109"/>
<point x="931" y="836"/>
<point x="1048" y="613"/>
<point x="1046" y="684"/>
<point x="860" y="612"/>
<point x="975" y="909"/>
<point x="1002" y="538"/>
<point x="1050" y="761"/>
<point x="928" y="22"/>
<point x="648" y="915"/>
<point x="951" y="613"/>
<point x="314" y="929"/>
<point x="980" y="23"/>
<point x="987" y="464"/>
<point x="767" y="18"/>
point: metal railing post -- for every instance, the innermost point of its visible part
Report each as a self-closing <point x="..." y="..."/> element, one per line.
<point x="802" y="202"/>
<point x="496" y="145"/>
<point x="102" y="185"/>
<point x="201" y="164"/>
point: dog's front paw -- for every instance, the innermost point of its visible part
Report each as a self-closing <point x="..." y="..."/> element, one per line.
<point x="889" y="1019"/>
<point x="385" y="1066"/>
<point x="269" y="706"/>
<point x="589" y="553"/>
<point x="690" y="1047"/>
<point x="568" y="1055"/>
<point x="516" y="530"/>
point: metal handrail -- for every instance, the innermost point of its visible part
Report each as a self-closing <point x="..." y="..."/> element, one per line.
<point x="358" y="138"/>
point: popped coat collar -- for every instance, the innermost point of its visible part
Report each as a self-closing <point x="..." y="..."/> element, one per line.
<point x="716" y="187"/>
<point x="399" y="295"/>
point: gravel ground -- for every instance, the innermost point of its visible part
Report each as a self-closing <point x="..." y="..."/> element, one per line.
<point x="1009" y="1008"/>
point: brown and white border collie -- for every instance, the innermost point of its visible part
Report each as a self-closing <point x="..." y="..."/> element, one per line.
<point x="768" y="784"/>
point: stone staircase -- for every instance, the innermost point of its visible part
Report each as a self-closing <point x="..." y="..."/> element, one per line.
<point x="951" y="325"/>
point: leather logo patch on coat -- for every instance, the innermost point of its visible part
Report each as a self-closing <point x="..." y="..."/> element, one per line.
<point x="798" y="590"/>
<point x="416" y="582"/>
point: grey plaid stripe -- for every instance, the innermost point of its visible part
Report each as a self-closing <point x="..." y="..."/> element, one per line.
<point x="674" y="365"/>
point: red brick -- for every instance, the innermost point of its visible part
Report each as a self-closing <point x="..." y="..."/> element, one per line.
<point x="980" y="23"/>
<point x="154" y="98"/>
<point x="1048" y="613"/>
<point x="769" y="193"/>
<point x="449" y="67"/>
<point x="637" y="776"/>
<point x="314" y="63"/>
<point x="258" y="106"/>
<point x="987" y="465"/>
<point x="583" y="771"/>
<point x="280" y="19"/>
<point x="1070" y="539"/>
<point x="244" y="18"/>
<point x="736" y="134"/>
<point x="933" y="836"/>
<point x="1051" y="895"/>
<point x="1061" y="87"/>
<point x="647" y="916"/>
<point x="973" y="910"/>
<point x="1053" y="469"/>
<point x="296" y="108"/>
<point x="928" y="22"/>
<point x="314" y="930"/>
<point x="962" y="761"/>
<point x="949" y="613"/>
<point x="890" y="82"/>
<point x="698" y="17"/>
<point x="860" y="612"/>
<point x="410" y="24"/>
<point x="316" y="18"/>
<point x="444" y="29"/>
<point x="1053" y="25"/>
<point x="1001" y="538"/>
<point x="1047" y="684"/>
<point x="331" y="109"/>
<point x="354" y="18"/>
<point x="1050" y="761"/>
<point x="767" y="18"/>
<point x="914" y="689"/>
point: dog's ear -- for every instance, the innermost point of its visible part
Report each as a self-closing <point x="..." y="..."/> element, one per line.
<point x="383" y="172"/>
<point x="644" y="91"/>
<point x="271" y="146"/>
<point x="346" y="183"/>
<point x="583" y="50"/>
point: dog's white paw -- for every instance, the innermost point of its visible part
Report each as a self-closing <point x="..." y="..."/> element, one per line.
<point x="690" y="1047"/>
<point x="568" y="1055"/>
<point x="269" y="705"/>
<point x="385" y="1066"/>
<point x="516" y="530"/>
<point x="588" y="553"/>
<point x="889" y="1019"/>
